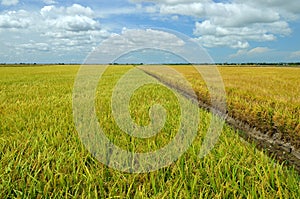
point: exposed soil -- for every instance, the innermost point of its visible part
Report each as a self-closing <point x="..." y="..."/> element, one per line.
<point x="274" y="145"/>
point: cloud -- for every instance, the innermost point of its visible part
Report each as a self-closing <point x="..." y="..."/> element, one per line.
<point x="232" y="41"/>
<point x="295" y="54"/>
<point x="258" y="51"/>
<point x="74" y="18"/>
<point x="72" y="26"/>
<point x="228" y="15"/>
<point x="14" y="20"/>
<point x="59" y="31"/>
<point x="49" y="2"/>
<point x="284" y="7"/>
<point x="211" y="35"/>
<point x="138" y="39"/>
<point x="9" y="2"/>
<point x="73" y="23"/>
<point x="169" y="2"/>
<point x="77" y="9"/>
<point x="291" y="6"/>
<point x="52" y="11"/>
<point x="233" y="23"/>
<point x="148" y="38"/>
<point x="34" y="46"/>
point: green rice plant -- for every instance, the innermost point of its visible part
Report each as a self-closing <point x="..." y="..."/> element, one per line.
<point x="42" y="156"/>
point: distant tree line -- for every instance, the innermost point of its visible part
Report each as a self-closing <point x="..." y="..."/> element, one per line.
<point x="135" y="64"/>
<point x="221" y="64"/>
<point x="262" y="64"/>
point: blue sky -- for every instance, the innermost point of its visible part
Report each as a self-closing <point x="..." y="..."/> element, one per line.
<point x="52" y="31"/>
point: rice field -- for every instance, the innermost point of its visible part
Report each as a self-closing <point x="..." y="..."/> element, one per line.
<point x="42" y="156"/>
<point x="267" y="98"/>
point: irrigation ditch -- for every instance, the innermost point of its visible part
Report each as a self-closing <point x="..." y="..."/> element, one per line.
<point x="273" y="146"/>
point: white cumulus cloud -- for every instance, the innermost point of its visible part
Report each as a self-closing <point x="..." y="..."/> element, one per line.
<point x="74" y="18"/>
<point x="211" y="35"/>
<point x="14" y="20"/>
<point x="59" y="31"/>
<point x="75" y="25"/>
<point x="233" y="23"/>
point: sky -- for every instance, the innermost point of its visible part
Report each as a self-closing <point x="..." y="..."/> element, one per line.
<point x="56" y="31"/>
